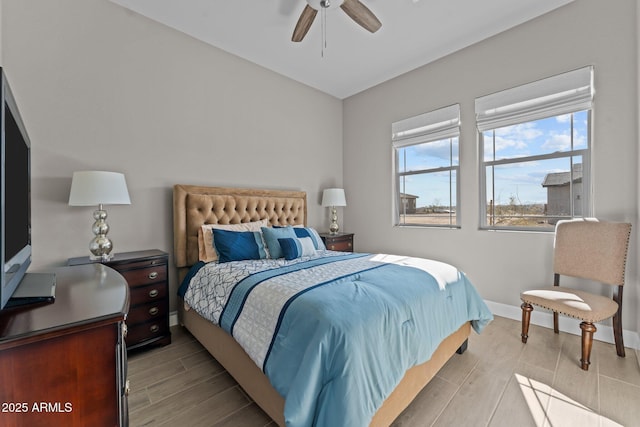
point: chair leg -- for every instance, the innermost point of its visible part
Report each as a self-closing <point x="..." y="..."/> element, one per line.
<point x="588" y="330"/>
<point x="617" y="335"/>
<point x="526" y="318"/>
<point x="556" y="329"/>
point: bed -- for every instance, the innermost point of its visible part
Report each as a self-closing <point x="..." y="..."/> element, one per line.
<point x="195" y="206"/>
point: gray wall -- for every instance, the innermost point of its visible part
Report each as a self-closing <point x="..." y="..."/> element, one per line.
<point x="501" y="264"/>
<point x="102" y="88"/>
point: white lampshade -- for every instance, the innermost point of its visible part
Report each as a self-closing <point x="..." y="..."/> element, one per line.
<point x="333" y="197"/>
<point x="91" y="188"/>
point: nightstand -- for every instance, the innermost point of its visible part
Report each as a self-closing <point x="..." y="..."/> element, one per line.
<point x="146" y="272"/>
<point x="342" y="242"/>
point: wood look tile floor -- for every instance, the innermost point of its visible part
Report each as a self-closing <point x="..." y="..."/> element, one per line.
<point x="498" y="381"/>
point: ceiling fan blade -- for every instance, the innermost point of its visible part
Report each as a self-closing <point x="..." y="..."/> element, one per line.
<point x="362" y="15"/>
<point x="304" y="23"/>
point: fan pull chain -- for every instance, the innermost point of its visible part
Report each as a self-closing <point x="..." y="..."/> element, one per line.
<point x="323" y="19"/>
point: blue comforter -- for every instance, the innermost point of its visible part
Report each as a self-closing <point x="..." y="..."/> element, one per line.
<point x="335" y="333"/>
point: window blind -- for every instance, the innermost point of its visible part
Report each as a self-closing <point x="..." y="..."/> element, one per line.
<point x="432" y="126"/>
<point x="561" y="94"/>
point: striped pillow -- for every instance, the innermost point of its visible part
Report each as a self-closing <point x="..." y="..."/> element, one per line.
<point x="297" y="247"/>
<point x="302" y="231"/>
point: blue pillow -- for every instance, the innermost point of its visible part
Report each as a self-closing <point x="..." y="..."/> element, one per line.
<point x="308" y="232"/>
<point x="296" y="248"/>
<point x="271" y="236"/>
<point x="238" y="245"/>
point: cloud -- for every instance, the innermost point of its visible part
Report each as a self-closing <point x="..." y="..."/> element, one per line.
<point x="561" y="141"/>
<point x="515" y="138"/>
<point x="520" y="131"/>
<point x="536" y="138"/>
<point x="557" y="142"/>
<point x="438" y="150"/>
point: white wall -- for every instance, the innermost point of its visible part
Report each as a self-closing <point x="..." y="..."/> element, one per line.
<point x="502" y="264"/>
<point x="100" y="87"/>
<point x="638" y="142"/>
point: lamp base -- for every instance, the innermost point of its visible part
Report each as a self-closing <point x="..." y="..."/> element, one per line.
<point x="104" y="258"/>
<point x="101" y="258"/>
<point x="334" y="227"/>
<point x="100" y="246"/>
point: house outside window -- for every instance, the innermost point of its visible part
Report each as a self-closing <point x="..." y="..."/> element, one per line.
<point x="426" y="166"/>
<point x="535" y="145"/>
<point x="562" y="188"/>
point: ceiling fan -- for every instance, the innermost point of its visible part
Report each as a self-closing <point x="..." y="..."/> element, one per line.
<point x="356" y="11"/>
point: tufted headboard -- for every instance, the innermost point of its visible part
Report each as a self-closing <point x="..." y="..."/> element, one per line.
<point x="194" y="206"/>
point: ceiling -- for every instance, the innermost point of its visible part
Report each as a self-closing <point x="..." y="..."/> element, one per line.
<point x="413" y="33"/>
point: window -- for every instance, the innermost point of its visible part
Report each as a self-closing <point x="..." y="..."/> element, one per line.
<point x="535" y="153"/>
<point x="426" y="165"/>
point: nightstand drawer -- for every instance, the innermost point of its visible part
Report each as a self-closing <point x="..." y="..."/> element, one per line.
<point x="145" y="294"/>
<point x="146" y="332"/>
<point x="342" y="242"/>
<point x="340" y="245"/>
<point x="144" y="276"/>
<point x="139" y="264"/>
<point x="146" y="312"/>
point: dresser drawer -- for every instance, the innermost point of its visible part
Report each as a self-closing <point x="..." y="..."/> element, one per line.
<point x="147" y="312"/>
<point x="146" y="331"/>
<point x="144" y="276"/>
<point x="150" y="293"/>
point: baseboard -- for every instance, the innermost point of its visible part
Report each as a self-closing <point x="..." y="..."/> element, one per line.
<point x="173" y="318"/>
<point x="566" y="324"/>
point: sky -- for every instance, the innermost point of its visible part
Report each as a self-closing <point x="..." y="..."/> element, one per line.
<point x="521" y="181"/>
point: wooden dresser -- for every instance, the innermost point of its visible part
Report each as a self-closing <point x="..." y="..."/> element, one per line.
<point x="146" y="273"/>
<point x="64" y="363"/>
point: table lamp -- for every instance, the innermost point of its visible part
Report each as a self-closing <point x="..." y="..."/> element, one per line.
<point x="90" y="188"/>
<point x="333" y="197"/>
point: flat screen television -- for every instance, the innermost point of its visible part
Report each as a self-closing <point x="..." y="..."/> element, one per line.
<point x="15" y="196"/>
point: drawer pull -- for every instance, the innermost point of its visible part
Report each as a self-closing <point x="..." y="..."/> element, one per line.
<point x="153" y="311"/>
<point x="349" y="244"/>
<point x="332" y="247"/>
<point x="153" y="275"/>
<point x="153" y="293"/>
<point x="127" y="388"/>
<point x="154" y="328"/>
